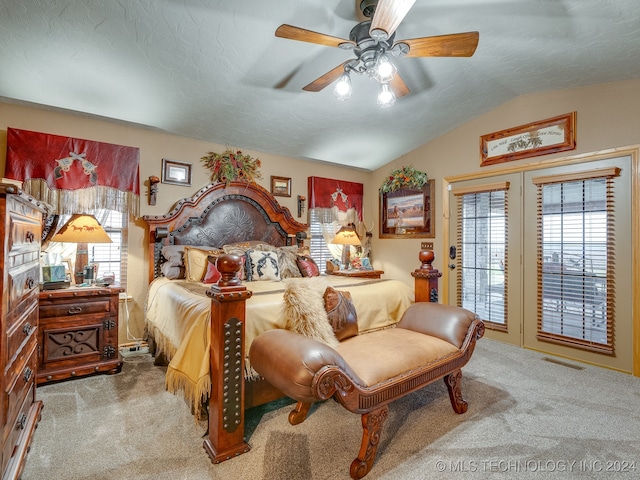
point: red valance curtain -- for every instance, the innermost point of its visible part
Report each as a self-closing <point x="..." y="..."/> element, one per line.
<point x="74" y="175"/>
<point x="338" y="200"/>
<point x="332" y="204"/>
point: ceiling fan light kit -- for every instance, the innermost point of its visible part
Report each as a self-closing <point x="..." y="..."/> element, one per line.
<point x="386" y="98"/>
<point x="384" y="70"/>
<point x="371" y="41"/>
<point x="343" y="90"/>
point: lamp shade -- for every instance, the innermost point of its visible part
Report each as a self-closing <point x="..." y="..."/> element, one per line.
<point x="81" y="228"/>
<point x="346" y="236"/>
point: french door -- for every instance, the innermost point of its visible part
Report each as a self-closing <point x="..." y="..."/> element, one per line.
<point x="543" y="256"/>
<point x="484" y="255"/>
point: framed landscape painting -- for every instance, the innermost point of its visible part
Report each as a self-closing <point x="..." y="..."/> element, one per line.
<point x="408" y="212"/>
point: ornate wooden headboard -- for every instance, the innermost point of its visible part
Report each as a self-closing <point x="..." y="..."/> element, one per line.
<point x="218" y="215"/>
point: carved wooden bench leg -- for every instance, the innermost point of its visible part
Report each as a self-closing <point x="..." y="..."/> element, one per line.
<point x="299" y="413"/>
<point x="453" y="382"/>
<point x="372" y="423"/>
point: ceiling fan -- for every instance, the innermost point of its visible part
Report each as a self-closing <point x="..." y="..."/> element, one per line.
<point x="372" y="41"/>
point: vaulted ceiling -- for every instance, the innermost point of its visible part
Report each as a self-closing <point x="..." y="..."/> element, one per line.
<point x="214" y="70"/>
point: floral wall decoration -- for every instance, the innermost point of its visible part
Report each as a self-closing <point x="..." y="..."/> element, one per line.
<point x="232" y="165"/>
<point x="405" y="177"/>
<point x="407" y="205"/>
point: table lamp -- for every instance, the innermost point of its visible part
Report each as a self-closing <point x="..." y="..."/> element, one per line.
<point x="82" y="229"/>
<point x="346" y="237"/>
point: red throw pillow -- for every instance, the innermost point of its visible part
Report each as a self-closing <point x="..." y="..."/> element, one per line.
<point x="307" y="266"/>
<point x="212" y="275"/>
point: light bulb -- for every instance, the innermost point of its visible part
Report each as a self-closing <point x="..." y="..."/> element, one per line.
<point x="342" y="90"/>
<point x="386" y="98"/>
<point x="385" y="70"/>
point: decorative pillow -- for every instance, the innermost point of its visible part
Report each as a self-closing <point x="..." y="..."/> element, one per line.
<point x="307" y="266"/>
<point x="239" y="248"/>
<point x="287" y="261"/>
<point x="173" y="255"/>
<point x="172" y="272"/>
<point x="263" y="265"/>
<point x="341" y="313"/>
<point x="212" y="275"/>
<point x="263" y="247"/>
<point x="195" y="261"/>
<point x="304" y="311"/>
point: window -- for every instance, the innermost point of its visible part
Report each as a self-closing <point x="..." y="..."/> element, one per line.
<point x="575" y="259"/>
<point x="111" y="257"/>
<point x="318" y="248"/>
<point x="482" y="254"/>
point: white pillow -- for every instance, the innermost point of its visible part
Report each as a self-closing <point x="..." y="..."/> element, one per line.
<point x="263" y="265"/>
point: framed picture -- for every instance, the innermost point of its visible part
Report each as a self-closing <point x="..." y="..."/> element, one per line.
<point x="408" y="213"/>
<point x="176" y="173"/>
<point x="552" y="135"/>
<point x="280" y="186"/>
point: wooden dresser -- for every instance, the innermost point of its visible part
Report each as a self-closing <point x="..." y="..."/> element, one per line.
<point x="78" y="332"/>
<point x="21" y="224"/>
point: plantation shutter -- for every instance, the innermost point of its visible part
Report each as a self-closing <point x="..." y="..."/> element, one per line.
<point x="575" y="271"/>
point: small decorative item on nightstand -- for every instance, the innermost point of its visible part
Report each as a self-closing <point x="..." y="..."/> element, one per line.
<point x="332" y="265"/>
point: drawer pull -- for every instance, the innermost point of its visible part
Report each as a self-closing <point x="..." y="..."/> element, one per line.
<point x="30" y="237"/>
<point x="29" y="283"/>
<point x="21" y="422"/>
<point x="27" y="328"/>
<point x="75" y="310"/>
<point x="27" y="374"/>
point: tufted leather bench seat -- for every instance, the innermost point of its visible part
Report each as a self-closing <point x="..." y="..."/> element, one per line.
<point x="368" y="371"/>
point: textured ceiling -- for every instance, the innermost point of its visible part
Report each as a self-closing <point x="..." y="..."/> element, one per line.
<point x="213" y="70"/>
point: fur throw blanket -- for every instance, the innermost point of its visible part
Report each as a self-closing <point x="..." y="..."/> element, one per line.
<point x="304" y="309"/>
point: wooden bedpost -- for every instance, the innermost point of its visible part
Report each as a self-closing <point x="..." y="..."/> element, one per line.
<point x="426" y="278"/>
<point x="225" y="438"/>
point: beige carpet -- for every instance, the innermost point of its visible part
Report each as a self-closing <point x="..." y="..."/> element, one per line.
<point x="527" y="418"/>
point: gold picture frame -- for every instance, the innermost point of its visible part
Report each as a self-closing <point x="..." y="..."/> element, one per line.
<point x="408" y="212"/>
<point x="280" y="186"/>
<point x="557" y="134"/>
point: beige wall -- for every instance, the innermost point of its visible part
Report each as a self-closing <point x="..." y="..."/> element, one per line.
<point x="154" y="146"/>
<point x="608" y="116"/>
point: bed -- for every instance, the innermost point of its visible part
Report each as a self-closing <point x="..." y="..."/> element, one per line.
<point x="205" y="330"/>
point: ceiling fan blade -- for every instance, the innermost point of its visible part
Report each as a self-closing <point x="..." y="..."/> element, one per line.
<point x="387" y="17"/>
<point x="303" y="35"/>
<point x="453" y="45"/>
<point x="326" y="79"/>
<point x="398" y="86"/>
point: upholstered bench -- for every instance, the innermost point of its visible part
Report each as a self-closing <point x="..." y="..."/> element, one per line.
<point x="366" y="372"/>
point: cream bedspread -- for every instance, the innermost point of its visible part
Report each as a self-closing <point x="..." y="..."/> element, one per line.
<point x="178" y="318"/>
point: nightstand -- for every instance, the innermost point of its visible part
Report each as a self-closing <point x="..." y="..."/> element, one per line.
<point x="78" y="332"/>
<point x="358" y="273"/>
